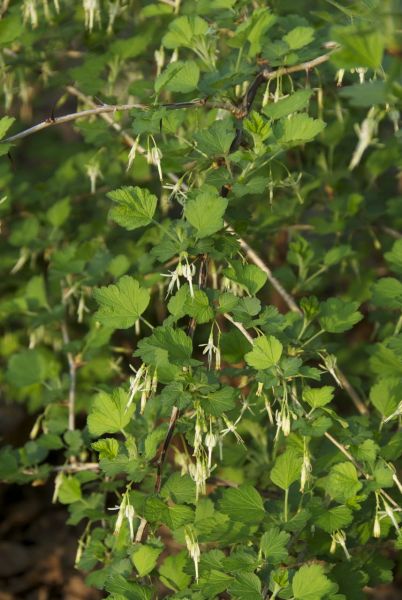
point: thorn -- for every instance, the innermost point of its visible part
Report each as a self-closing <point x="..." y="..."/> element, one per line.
<point x="12" y="161"/>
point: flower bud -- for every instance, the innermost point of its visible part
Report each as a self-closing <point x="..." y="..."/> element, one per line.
<point x="377" y="527"/>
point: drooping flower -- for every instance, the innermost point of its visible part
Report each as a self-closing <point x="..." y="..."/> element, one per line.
<point x="192" y="547"/>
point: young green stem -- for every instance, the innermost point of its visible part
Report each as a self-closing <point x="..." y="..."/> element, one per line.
<point x="286" y="506"/>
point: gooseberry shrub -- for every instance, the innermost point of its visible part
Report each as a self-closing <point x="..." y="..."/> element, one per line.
<point x="201" y="295"/>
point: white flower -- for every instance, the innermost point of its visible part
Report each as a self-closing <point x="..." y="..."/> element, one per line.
<point x="174" y="277"/>
<point x="361" y="71"/>
<point x="209" y="349"/>
<point x="199" y="473"/>
<point x="188" y="273"/>
<point x="126" y="511"/>
<point x="130" y="516"/>
<point x="133" y="152"/>
<point x="365" y="133"/>
<point x="390" y="512"/>
<point x="154" y="156"/>
<point x="396" y="413"/>
<point x="339" y="537"/>
<point x="305" y="471"/>
<point x="192" y="547"/>
<point x="92" y="12"/>
<point x="159" y="56"/>
<point x="339" y="77"/>
<point x="231" y="428"/>
<point x="93" y="171"/>
<point x="260" y="388"/>
<point x="330" y="366"/>
<point x="135" y="385"/>
<point x="176" y="190"/>
<point x="30" y="13"/>
<point x="210" y="442"/>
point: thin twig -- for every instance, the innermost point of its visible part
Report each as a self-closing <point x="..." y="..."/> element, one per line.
<point x="265" y="75"/>
<point x="113" y="108"/>
<point x="257" y="260"/>
<point x="305" y="66"/>
<point x="350" y="390"/>
<point x="104" y="108"/>
<point x="397" y="235"/>
<point x="240" y="327"/>
<point x="140" y="530"/>
<point x="76" y="467"/>
<point x="73" y="379"/>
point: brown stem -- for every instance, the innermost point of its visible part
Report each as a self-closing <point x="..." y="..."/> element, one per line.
<point x="305" y="66"/>
<point x="113" y="108"/>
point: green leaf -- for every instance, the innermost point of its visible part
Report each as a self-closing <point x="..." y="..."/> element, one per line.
<point x="109" y="413"/>
<point x="214" y="582"/>
<point x="197" y="306"/>
<point x="298" y="128"/>
<point x="122" y="589"/>
<point x="165" y="344"/>
<point x="122" y="304"/>
<point x="5" y="124"/>
<point x="250" y="277"/>
<point x="317" y="397"/>
<point x="69" y="490"/>
<point x="172" y="573"/>
<point x="184" y="31"/>
<point x="219" y="402"/>
<point x="252" y="30"/>
<point x="59" y="212"/>
<point x="332" y="519"/>
<point x="359" y="47"/>
<point x="365" y="94"/>
<point x="246" y="586"/>
<point x="135" y="207"/>
<point x="299" y="37"/>
<point x="243" y="504"/>
<point x="266" y="352"/>
<point x="342" y="483"/>
<point x="216" y="140"/>
<point x="335" y="255"/>
<point x="107" y="448"/>
<point x="11" y="27"/>
<point x="178" y="77"/>
<point x="310" y="583"/>
<point x="287" y="469"/>
<point x="261" y="20"/>
<point x="386" y="395"/>
<point x="385" y="362"/>
<point x="180" y="488"/>
<point x="205" y="213"/>
<point x="273" y="545"/>
<point x="27" y="368"/>
<point x="387" y="293"/>
<point x="286" y="106"/>
<point x="394" y="257"/>
<point x="144" y="558"/>
<point x="337" y="316"/>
